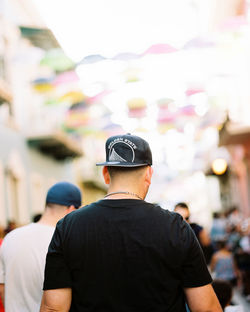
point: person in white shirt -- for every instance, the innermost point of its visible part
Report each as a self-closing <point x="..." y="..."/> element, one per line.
<point x="23" y="251"/>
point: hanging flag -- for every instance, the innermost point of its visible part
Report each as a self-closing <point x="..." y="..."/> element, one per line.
<point x="160" y="48"/>
<point x="98" y="97"/>
<point x="188" y="110"/>
<point x="73" y="97"/>
<point x="57" y="60"/>
<point x="91" y="59"/>
<point x="126" y="56"/>
<point x="193" y="91"/>
<point x="66" y="77"/>
<point x="43" y="85"/>
<point x="137" y="108"/>
<point x="199" y="42"/>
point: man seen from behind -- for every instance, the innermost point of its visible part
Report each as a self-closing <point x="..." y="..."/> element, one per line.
<point x="23" y="251"/>
<point x="123" y="254"/>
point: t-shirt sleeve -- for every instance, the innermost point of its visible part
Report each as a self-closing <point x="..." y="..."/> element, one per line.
<point x="194" y="270"/>
<point x="2" y="271"/>
<point x="57" y="273"/>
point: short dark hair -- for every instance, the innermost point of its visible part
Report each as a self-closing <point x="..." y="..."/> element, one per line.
<point x="224" y="291"/>
<point x="182" y="205"/>
<point x="36" y="217"/>
<point x="118" y="170"/>
<point x="222" y="243"/>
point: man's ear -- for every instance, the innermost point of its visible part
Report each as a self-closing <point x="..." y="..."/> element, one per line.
<point x="148" y="175"/>
<point x="106" y="175"/>
<point x="70" y="209"/>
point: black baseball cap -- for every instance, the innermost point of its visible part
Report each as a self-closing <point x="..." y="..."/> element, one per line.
<point x="127" y="151"/>
<point x="64" y="193"/>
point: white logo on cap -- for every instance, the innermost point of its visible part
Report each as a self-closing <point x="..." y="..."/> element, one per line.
<point x="114" y="156"/>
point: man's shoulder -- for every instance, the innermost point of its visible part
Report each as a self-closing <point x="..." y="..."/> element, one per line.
<point x="18" y="231"/>
<point x="100" y="209"/>
<point x="15" y="238"/>
<point x="26" y="231"/>
<point x="103" y="204"/>
<point x="168" y="214"/>
<point x="80" y="213"/>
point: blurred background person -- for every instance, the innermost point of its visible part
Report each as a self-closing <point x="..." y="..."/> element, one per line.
<point x="201" y="234"/>
<point x="219" y="228"/>
<point x="37" y="217"/>
<point x="23" y="251"/>
<point x="1" y="240"/>
<point x="242" y="256"/>
<point x="234" y="218"/>
<point x="224" y="292"/>
<point x="223" y="264"/>
<point x="11" y="225"/>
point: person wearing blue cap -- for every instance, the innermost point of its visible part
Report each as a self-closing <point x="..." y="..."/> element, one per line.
<point x="123" y="254"/>
<point x="23" y="251"/>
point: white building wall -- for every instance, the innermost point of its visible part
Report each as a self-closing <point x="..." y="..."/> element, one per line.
<point x="3" y="216"/>
<point x="25" y="173"/>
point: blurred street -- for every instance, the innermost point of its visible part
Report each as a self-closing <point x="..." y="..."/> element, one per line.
<point x="238" y="299"/>
<point x="175" y="73"/>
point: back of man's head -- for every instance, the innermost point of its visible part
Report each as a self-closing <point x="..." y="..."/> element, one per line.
<point x="183" y="210"/>
<point x="64" y="194"/>
<point x="128" y="164"/>
<point x="181" y="205"/>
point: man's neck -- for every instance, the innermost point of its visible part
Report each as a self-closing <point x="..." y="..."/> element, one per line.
<point x="51" y="219"/>
<point x="123" y="195"/>
<point x="124" y="192"/>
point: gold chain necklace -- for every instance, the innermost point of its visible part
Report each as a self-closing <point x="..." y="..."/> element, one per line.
<point x="123" y="192"/>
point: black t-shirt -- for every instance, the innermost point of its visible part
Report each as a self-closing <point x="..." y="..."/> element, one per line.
<point x="197" y="229"/>
<point x="125" y="255"/>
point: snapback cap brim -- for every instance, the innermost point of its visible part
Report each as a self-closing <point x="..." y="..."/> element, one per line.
<point x="121" y="164"/>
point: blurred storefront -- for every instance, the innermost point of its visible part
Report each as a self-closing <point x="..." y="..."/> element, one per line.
<point x="236" y="137"/>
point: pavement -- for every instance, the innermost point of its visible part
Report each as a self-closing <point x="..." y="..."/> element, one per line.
<point x="241" y="300"/>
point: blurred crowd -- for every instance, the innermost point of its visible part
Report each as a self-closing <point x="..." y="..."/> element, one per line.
<point x="230" y="239"/>
<point x="226" y="247"/>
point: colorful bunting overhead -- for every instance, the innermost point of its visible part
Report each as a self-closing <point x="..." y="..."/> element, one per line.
<point x="77" y="116"/>
<point x="57" y="60"/>
<point x="160" y="48"/>
<point x="168" y="113"/>
<point x="98" y="97"/>
<point x="126" y="57"/>
<point x="137" y="107"/>
<point x="66" y="77"/>
<point x="199" y="42"/>
<point x="188" y="110"/>
<point x="192" y="91"/>
<point x="73" y="96"/>
<point x="43" y="85"/>
<point x="91" y="59"/>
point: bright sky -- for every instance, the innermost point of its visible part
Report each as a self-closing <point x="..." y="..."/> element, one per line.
<point x="85" y="27"/>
